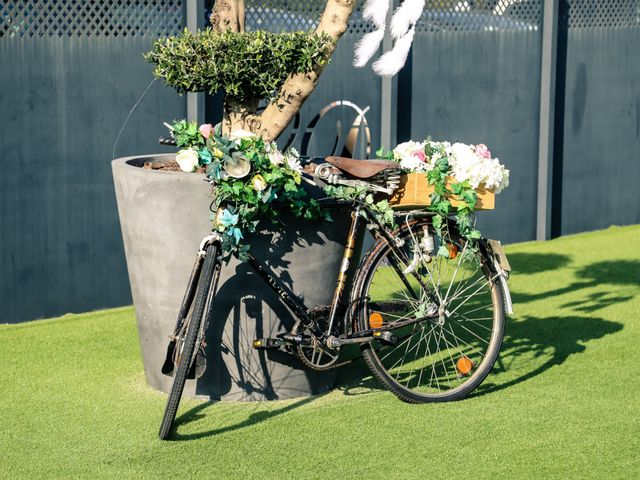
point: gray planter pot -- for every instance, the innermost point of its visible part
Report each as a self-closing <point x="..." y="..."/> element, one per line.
<point x="163" y="216"/>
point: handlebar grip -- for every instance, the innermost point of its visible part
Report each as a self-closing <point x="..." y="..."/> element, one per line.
<point x="167" y="141"/>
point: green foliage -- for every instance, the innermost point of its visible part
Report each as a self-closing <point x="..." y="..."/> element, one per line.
<point x="187" y="134"/>
<point x="381" y="208"/>
<point x="273" y="181"/>
<point x="441" y="206"/>
<point x="248" y="66"/>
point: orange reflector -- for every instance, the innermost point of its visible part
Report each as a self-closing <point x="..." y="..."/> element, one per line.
<point x="464" y="365"/>
<point x="453" y="250"/>
<point x="375" y="320"/>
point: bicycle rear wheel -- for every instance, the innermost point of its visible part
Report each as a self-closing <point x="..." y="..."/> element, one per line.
<point x="187" y="351"/>
<point x="446" y="314"/>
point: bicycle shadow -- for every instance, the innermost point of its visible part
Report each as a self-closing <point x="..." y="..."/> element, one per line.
<point x="530" y="263"/>
<point x="556" y="339"/>
<point x="550" y="340"/>
<point x="196" y="413"/>
<point x="620" y="272"/>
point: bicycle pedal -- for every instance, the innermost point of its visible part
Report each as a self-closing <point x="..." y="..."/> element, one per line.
<point x="267" y="343"/>
<point x="386" y="337"/>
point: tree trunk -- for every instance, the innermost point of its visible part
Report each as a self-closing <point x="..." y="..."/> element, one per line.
<point x="239" y="116"/>
<point x="297" y="88"/>
<point x="228" y="15"/>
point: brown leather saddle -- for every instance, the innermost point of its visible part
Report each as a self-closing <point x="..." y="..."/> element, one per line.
<point x="361" y="168"/>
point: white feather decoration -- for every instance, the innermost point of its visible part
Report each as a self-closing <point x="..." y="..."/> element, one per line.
<point x="391" y="62"/>
<point x="405" y="17"/>
<point x="367" y="47"/>
<point x="376" y="11"/>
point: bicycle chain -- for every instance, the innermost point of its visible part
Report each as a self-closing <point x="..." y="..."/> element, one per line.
<point x="303" y="358"/>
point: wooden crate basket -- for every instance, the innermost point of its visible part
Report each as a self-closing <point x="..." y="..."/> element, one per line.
<point x="415" y="192"/>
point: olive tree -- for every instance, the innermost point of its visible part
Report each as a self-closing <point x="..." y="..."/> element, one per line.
<point x="252" y="66"/>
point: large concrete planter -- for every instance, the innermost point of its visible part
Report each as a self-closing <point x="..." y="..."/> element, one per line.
<point x="163" y="216"/>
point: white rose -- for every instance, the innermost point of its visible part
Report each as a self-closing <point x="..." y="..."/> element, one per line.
<point x="504" y="181"/>
<point x="405" y="153"/>
<point x="411" y="163"/>
<point x="465" y="164"/>
<point x="187" y="159"/>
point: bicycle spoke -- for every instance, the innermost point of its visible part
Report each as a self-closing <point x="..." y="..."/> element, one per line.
<point x="426" y="357"/>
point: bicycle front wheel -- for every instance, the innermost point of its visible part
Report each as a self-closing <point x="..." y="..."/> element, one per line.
<point x="446" y="314"/>
<point x="187" y="341"/>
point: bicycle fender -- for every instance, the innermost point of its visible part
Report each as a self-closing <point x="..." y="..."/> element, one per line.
<point x="503" y="269"/>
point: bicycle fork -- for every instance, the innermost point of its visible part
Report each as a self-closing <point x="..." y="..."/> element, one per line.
<point x="187" y="300"/>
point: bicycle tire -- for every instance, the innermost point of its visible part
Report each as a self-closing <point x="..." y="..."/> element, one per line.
<point x="186" y="358"/>
<point x="371" y="351"/>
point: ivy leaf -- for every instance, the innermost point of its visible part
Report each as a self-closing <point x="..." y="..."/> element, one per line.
<point x="457" y="188"/>
<point x="266" y="195"/>
<point x="475" y="234"/>
<point x="443" y="251"/>
<point x="290" y="186"/>
<point x="204" y="156"/>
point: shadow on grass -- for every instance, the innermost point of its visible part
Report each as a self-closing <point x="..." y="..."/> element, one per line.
<point x="556" y="339"/>
<point x="196" y="414"/>
<point x="356" y="379"/>
<point x="620" y="272"/>
<point x="550" y="340"/>
<point x="529" y="263"/>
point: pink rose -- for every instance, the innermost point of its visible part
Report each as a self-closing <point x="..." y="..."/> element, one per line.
<point x="420" y="155"/>
<point x="206" y="129"/>
<point x="482" y="151"/>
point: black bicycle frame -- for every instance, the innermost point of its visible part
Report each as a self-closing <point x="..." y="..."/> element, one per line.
<point x="300" y="310"/>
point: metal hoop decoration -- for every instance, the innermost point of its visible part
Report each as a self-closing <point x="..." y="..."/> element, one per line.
<point x="353" y="131"/>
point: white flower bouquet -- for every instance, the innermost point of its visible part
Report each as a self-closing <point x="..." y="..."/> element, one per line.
<point x="442" y="171"/>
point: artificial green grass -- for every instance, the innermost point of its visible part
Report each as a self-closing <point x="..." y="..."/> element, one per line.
<point x="565" y="404"/>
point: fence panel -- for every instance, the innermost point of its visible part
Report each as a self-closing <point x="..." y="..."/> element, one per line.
<point x="476" y="79"/>
<point x="600" y="122"/>
<point x="70" y="73"/>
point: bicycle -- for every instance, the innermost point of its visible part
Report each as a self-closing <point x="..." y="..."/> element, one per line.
<point x="429" y="327"/>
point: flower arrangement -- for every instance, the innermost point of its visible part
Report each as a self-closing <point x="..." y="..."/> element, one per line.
<point x="455" y="171"/>
<point x="466" y="162"/>
<point x="250" y="177"/>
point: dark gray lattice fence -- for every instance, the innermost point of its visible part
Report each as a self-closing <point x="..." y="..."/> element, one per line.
<point x="82" y="19"/>
<point x="71" y="70"/>
<point x="470" y="16"/>
<point x="597" y="115"/>
<point x="476" y="78"/>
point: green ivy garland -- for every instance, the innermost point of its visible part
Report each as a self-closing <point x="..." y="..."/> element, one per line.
<point x="270" y="186"/>
<point x="441" y="204"/>
<point x="273" y="179"/>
